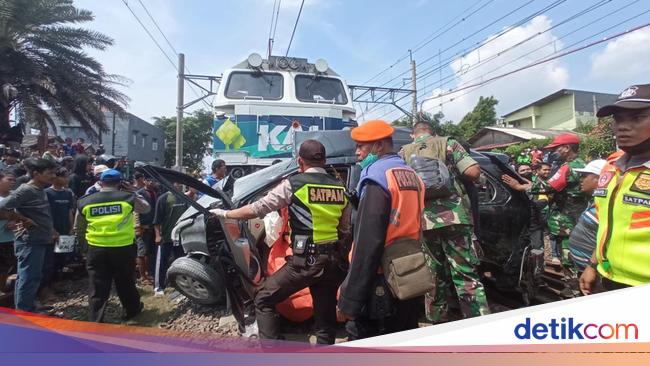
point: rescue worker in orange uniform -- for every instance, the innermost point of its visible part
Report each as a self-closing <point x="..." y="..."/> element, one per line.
<point x="390" y="207"/>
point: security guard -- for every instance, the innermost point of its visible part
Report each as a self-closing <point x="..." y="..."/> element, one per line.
<point x="622" y="198"/>
<point x="390" y="207"/>
<point x="106" y="220"/>
<point x="319" y="219"/>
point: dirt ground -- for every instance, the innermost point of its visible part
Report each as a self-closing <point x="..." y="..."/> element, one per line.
<point x="172" y="311"/>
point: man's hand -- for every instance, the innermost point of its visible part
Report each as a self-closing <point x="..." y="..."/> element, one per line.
<point x="343" y="316"/>
<point x="221" y="213"/>
<point x="27" y="223"/>
<point x="138" y="231"/>
<point x="11" y="226"/>
<point x="158" y="239"/>
<point x="55" y="235"/>
<point x="514" y="184"/>
<point x="588" y="281"/>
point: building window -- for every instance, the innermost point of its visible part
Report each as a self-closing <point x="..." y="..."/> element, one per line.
<point x="154" y="144"/>
<point x="143" y="139"/>
<point x="135" y="137"/>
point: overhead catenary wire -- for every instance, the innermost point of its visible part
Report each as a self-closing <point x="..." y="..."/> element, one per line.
<point x="275" y="15"/>
<point x="482" y="76"/>
<point x="424" y="91"/>
<point x="454" y="75"/>
<point x="488" y="81"/>
<point x="150" y="35"/>
<point x="155" y="23"/>
<point x="437" y="33"/>
<point x="505" y="31"/>
<point x="420" y="63"/>
<point x="545" y="60"/>
<point x="295" y="25"/>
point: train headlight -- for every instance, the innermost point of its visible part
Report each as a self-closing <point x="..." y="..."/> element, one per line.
<point x="255" y="60"/>
<point x="321" y="66"/>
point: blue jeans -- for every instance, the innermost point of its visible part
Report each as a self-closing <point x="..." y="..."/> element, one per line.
<point x="163" y="255"/>
<point x="30" y="272"/>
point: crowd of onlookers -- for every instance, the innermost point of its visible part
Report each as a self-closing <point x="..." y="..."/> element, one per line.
<point x="38" y="196"/>
<point x="560" y="185"/>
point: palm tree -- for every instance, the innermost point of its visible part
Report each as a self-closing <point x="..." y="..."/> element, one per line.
<point x="43" y="66"/>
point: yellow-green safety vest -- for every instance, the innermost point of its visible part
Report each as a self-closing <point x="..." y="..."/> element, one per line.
<point x="623" y="206"/>
<point x="110" y="218"/>
<point x="316" y="206"/>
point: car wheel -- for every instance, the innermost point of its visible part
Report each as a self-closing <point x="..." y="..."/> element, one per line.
<point x="237" y="172"/>
<point x="197" y="281"/>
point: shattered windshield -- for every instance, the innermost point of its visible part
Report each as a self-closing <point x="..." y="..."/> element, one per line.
<point x="248" y="184"/>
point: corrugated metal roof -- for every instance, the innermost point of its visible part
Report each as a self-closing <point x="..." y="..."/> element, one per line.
<point x="526" y="133"/>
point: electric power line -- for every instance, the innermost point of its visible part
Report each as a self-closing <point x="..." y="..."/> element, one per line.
<point x="448" y="61"/>
<point x="471" y="35"/>
<point x="453" y="76"/>
<point x="294" y="28"/>
<point x="150" y="35"/>
<point x="274" y="26"/>
<point x="153" y="20"/>
<point x="547" y="59"/>
<point x="433" y="36"/>
<point x="510" y="28"/>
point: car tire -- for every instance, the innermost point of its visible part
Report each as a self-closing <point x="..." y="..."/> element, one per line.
<point x="197" y="281"/>
<point x="237" y="172"/>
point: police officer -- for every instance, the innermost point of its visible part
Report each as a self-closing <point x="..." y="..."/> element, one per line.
<point x="319" y="218"/>
<point x="389" y="208"/>
<point x="622" y="198"/>
<point x="106" y="220"/>
<point x="449" y="229"/>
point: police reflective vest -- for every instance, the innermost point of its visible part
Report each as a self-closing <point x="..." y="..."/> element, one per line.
<point x="110" y="218"/>
<point x="623" y="205"/>
<point x="405" y="189"/>
<point x="316" y="206"/>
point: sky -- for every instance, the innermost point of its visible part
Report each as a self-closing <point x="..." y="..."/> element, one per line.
<point x="458" y="46"/>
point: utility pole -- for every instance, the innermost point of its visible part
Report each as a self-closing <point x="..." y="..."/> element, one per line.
<point x="113" y="136"/>
<point x="593" y="98"/>
<point x="179" y="113"/>
<point x="414" y="103"/>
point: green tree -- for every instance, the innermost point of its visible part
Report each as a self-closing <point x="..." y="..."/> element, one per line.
<point x="43" y="65"/>
<point x="197" y="135"/>
<point x="599" y="142"/>
<point x="483" y="115"/>
<point x="439" y="126"/>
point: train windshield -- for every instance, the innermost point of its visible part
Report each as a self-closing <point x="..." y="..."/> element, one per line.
<point x="320" y="90"/>
<point x="258" y="85"/>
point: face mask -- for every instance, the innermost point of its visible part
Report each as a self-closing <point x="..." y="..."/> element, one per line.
<point x="637" y="149"/>
<point x="370" y="158"/>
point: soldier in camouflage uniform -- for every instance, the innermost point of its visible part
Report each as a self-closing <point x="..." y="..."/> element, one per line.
<point x="566" y="201"/>
<point x="453" y="258"/>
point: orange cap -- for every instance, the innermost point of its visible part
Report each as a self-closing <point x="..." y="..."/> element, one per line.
<point x="373" y="130"/>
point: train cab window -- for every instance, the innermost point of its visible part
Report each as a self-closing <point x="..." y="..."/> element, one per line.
<point x="258" y="85"/>
<point x="320" y="90"/>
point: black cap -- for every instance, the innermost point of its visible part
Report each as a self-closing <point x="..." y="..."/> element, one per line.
<point x="312" y="150"/>
<point x="633" y="97"/>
